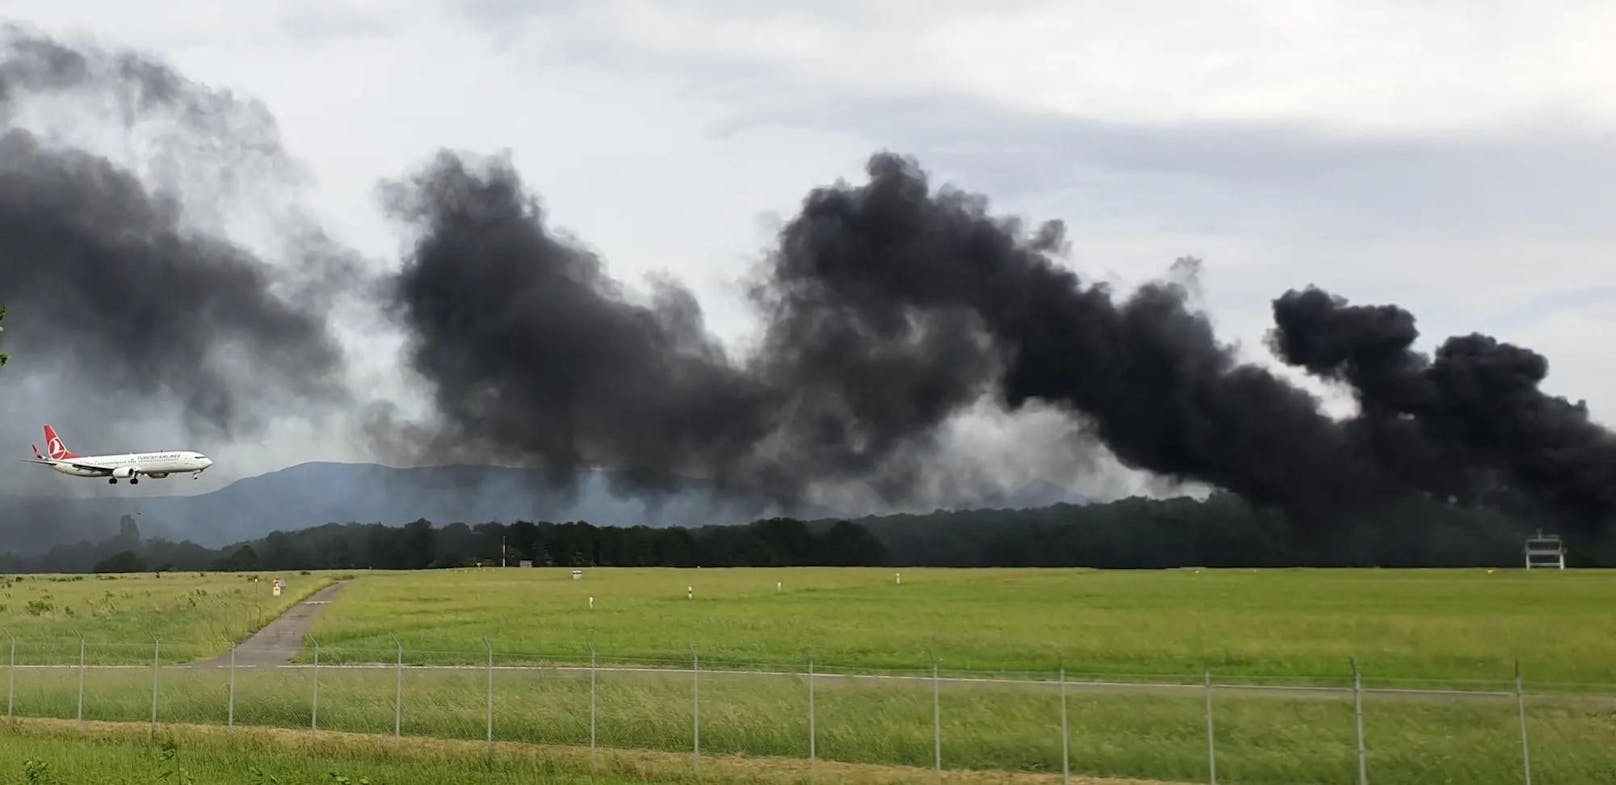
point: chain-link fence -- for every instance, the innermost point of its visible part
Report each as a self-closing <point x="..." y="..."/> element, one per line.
<point x="1346" y="727"/>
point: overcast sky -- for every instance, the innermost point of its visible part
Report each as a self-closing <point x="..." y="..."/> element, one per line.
<point x="1457" y="159"/>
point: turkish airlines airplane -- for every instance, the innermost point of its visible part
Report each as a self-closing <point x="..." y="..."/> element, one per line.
<point x="128" y="466"/>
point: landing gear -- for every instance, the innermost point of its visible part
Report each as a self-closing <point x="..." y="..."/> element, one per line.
<point x="134" y="480"/>
<point x="112" y="481"/>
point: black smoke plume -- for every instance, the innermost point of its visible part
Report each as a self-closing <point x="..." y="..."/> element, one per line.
<point x="1465" y="424"/>
<point x="1146" y="371"/>
<point x="110" y="288"/>
<point x="890" y="306"/>
<point x="533" y="352"/>
<point x="888" y="309"/>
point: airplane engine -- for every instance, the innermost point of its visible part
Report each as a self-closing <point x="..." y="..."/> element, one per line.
<point x="123" y="472"/>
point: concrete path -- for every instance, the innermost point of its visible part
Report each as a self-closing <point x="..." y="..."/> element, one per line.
<point x="280" y="640"/>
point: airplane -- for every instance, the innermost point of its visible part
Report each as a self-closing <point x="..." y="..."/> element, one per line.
<point x="129" y="466"/>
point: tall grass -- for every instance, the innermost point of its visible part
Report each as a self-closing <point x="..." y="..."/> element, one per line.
<point x="1261" y="736"/>
<point x="45" y="752"/>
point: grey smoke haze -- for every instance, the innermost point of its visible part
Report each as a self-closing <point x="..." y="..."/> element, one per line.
<point x="114" y="295"/>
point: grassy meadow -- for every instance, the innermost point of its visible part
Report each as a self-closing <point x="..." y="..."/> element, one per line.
<point x="1399" y="624"/>
<point x="191" y="615"/>
<point x="1462" y="629"/>
<point x="1272" y="738"/>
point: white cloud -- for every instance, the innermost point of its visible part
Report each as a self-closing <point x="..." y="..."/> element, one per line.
<point x="1377" y="67"/>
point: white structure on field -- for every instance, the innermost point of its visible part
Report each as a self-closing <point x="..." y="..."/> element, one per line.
<point x="1544" y="550"/>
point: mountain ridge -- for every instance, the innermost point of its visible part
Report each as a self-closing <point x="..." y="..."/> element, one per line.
<point x="314" y="493"/>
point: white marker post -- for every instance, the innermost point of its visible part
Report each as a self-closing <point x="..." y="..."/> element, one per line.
<point x="591" y="600"/>
<point x="690" y="592"/>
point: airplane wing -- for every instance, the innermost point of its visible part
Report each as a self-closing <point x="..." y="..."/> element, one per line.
<point x="89" y="467"/>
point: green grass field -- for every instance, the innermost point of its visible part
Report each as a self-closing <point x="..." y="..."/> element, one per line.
<point x="1262" y="737"/>
<point x="1458" y="629"/>
<point x="191" y="615"/>
<point x="1415" y="625"/>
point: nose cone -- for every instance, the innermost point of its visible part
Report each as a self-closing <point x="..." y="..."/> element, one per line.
<point x="206" y="462"/>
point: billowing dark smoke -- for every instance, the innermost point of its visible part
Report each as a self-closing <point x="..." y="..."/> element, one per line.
<point x="105" y="281"/>
<point x="1462" y="424"/>
<point x="535" y="353"/>
<point x="889" y="308"/>
<point x="1161" y="392"/>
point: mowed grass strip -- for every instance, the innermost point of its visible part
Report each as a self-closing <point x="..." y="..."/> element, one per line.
<point x="185" y="615"/>
<point x="1400" y="625"/>
<point x="1262" y="736"/>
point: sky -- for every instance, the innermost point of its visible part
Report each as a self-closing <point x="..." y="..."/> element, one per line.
<point x="1455" y="159"/>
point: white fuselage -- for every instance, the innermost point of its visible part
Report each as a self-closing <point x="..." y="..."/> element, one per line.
<point x="127" y="465"/>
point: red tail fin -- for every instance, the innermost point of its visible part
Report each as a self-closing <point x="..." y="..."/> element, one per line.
<point x="54" y="446"/>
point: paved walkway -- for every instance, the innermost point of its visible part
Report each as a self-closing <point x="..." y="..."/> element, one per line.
<point x="280" y="640"/>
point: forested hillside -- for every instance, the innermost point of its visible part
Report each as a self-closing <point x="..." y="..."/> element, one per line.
<point x="1221" y="531"/>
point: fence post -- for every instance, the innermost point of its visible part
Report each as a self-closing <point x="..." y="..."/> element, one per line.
<point x="398" y="691"/>
<point x="1211" y="744"/>
<point x="1520" y="702"/>
<point x="1357" y="712"/>
<point x="695" y="710"/>
<point x="813" y="732"/>
<point x="314" y="709"/>
<point x="591" y="710"/>
<point x="490" y="649"/>
<point x="232" y="698"/>
<point x="81" y="680"/>
<point x="11" y="678"/>
<point x="1066" y="733"/>
<point x="156" y="664"/>
<point x="936" y="721"/>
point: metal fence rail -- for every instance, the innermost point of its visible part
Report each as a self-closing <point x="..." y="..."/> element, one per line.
<point x="733" y="707"/>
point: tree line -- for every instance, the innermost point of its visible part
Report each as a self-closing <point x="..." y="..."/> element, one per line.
<point x="1219" y="531"/>
<point x="778" y="542"/>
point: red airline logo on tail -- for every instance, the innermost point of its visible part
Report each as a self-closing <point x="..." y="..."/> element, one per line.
<point x="54" y="446"/>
